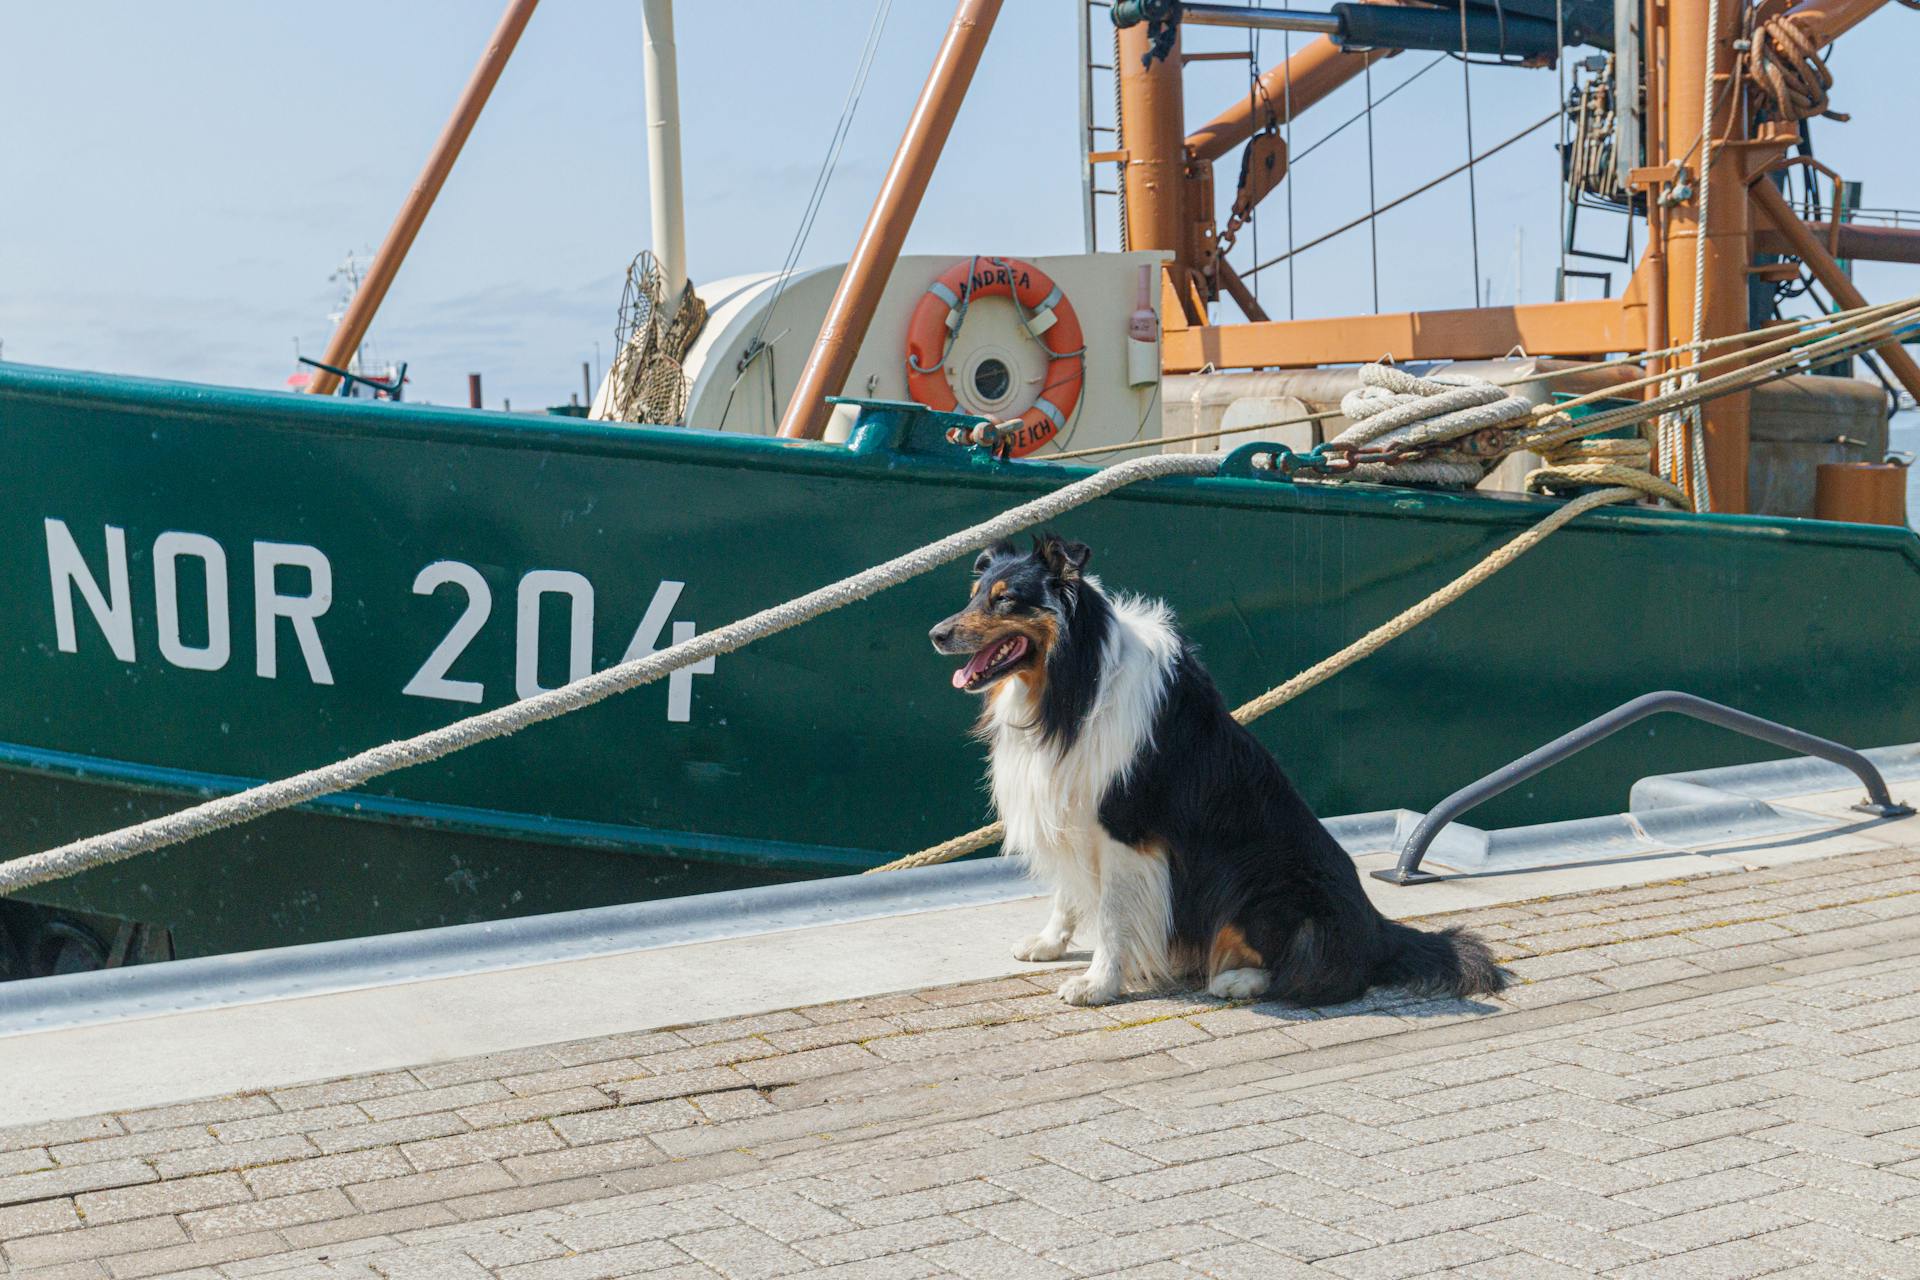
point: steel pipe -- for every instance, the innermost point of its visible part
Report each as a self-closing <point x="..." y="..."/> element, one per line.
<point x="865" y="279"/>
<point x="352" y="330"/>
<point x="1879" y="801"/>
<point x="1228" y="15"/>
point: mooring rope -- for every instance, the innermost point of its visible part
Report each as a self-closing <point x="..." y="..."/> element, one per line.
<point x="1364" y="647"/>
<point x="271" y="797"/>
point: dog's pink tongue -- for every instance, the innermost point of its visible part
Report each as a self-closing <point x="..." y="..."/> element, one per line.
<point x="964" y="676"/>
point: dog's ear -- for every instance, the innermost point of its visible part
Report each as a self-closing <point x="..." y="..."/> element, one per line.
<point x="992" y="553"/>
<point x="1066" y="561"/>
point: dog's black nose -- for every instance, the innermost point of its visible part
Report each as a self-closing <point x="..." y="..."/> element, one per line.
<point x="941" y="635"/>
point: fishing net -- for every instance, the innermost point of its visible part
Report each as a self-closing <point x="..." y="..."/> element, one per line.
<point x="648" y="382"/>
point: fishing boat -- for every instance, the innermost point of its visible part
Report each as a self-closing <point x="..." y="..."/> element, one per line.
<point x="212" y="586"/>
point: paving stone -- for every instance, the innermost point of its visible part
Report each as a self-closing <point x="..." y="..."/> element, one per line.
<point x="1414" y="1257"/>
<point x="200" y="1253"/>
<point x="71" y="1180"/>
<point x="232" y="1156"/>
<point x="1736" y="1260"/>
<point x="1702" y="1227"/>
<point x="1554" y="1239"/>
<point x="742" y="1253"/>
<point x="539" y="1106"/>
<point x="422" y="1188"/>
<point x="267" y="1215"/>
<point x="419" y="1101"/>
<point x="93" y="1242"/>
<point x="36" y="1217"/>
<point x="148" y="1142"/>
<point x="177" y="1195"/>
<point x="381" y="1133"/>
<point x="985" y="1257"/>
<point x="326" y="1171"/>
<point x="484" y="1144"/>
<point x="634" y="1259"/>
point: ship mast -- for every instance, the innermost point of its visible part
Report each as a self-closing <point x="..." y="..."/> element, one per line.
<point x="1699" y="165"/>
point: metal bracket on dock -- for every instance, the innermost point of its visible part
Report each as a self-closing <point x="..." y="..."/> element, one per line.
<point x="1878" y="802"/>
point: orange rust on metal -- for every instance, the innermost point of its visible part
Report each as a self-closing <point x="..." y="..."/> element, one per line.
<point x="352" y="330"/>
<point x="1320" y="67"/>
<point x="1545" y="328"/>
<point x="1803" y="245"/>
<point x="878" y="248"/>
<point x="1720" y="169"/>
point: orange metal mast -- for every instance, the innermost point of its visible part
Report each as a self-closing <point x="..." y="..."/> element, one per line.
<point x="1154" y="161"/>
<point x="1717" y="273"/>
<point x="353" y="325"/>
<point x="874" y="254"/>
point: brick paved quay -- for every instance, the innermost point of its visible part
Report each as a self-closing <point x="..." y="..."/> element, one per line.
<point x="1699" y="1078"/>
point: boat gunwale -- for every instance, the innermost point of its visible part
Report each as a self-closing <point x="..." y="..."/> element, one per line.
<point x="334" y="416"/>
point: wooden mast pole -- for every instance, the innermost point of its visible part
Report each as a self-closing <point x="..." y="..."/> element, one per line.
<point x="874" y="254"/>
<point x="366" y="301"/>
<point x="1709" y="262"/>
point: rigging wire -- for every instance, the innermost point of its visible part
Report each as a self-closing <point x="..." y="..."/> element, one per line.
<point x="1424" y="187"/>
<point x="1560" y="71"/>
<point x="1373" y="194"/>
<point x="1253" y="106"/>
<point x="1473" y="191"/>
<point x="1357" y="116"/>
<point x="1287" y="141"/>
<point x="818" y="195"/>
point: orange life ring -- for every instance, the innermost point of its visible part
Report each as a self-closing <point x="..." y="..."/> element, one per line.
<point x="930" y="335"/>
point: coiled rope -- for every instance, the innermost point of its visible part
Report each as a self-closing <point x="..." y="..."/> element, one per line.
<point x="1785" y="68"/>
<point x="271" y="797"/>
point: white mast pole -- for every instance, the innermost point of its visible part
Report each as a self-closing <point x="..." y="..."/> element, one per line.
<point x="663" y="148"/>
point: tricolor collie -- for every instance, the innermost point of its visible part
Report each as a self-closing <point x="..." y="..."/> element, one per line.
<point x="1161" y="824"/>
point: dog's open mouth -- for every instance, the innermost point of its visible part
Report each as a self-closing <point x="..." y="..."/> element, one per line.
<point x="991" y="662"/>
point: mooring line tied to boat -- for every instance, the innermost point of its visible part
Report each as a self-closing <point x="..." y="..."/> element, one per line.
<point x="1489" y="413"/>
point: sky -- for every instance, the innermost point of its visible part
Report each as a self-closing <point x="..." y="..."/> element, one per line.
<point x="183" y="179"/>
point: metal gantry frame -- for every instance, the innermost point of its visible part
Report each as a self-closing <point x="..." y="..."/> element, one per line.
<point x="1879" y="802"/>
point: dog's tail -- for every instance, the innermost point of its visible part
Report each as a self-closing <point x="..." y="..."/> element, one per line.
<point x="1451" y="962"/>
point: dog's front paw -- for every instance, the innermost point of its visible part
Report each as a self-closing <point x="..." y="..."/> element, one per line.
<point x="1040" y="947"/>
<point x="1240" y="984"/>
<point x="1084" y="988"/>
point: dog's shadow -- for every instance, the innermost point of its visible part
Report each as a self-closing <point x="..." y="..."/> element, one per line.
<point x="1379" y="1002"/>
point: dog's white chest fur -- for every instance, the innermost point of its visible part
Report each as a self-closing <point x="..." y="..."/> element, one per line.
<point x="1050" y="798"/>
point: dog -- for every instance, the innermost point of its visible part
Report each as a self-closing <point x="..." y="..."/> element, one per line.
<point x="1155" y="817"/>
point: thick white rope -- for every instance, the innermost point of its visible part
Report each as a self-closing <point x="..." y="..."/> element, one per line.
<point x="1393" y="407"/>
<point x="256" y="802"/>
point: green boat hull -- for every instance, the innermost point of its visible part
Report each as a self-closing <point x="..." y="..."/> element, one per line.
<point x="205" y="586"/>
